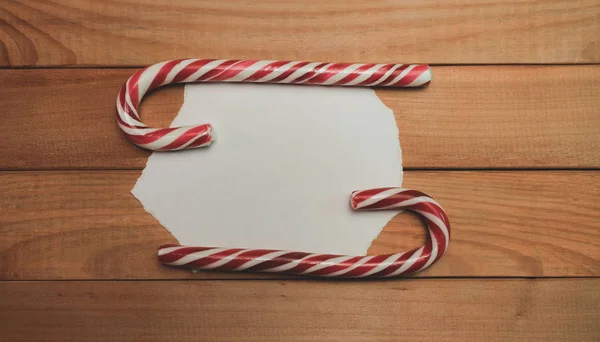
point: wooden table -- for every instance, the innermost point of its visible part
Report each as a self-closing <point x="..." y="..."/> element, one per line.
<point x="507" y="138"/>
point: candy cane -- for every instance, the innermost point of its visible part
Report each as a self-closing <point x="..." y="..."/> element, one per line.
<point x="212" y="70"/>
<point x="264" y="260"/>
<point x="331" y="265"/>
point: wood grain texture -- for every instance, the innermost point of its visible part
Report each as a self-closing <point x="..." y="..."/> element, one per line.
<point x="73" y="225"/>
<point x="86" y="225"/>
<point x="68" y="32"/>
<point x="470" y="117"/>
<point x="405" y="310"/>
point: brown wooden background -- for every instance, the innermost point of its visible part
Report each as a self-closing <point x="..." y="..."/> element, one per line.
<point x="507" y="138"/>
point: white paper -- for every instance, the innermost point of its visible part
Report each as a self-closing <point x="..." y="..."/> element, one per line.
<point x="281" y="171"/>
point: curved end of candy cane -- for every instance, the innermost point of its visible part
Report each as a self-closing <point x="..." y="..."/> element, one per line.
<point x="364" y="199"/>
<point x="170" y="139"/>
<point x="353" y="200"/>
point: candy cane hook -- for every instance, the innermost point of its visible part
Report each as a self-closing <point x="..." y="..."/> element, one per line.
<point x="263" y="260"/>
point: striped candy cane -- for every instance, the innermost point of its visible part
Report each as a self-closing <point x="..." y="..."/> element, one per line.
<point x="331" y="265"/>
<point x="263" y="260"/>
<point x="219" y="70"/>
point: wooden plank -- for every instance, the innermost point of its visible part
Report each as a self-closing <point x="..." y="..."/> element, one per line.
<point x="409" y="310"/>
<point x="67" y="119"/>
<point x="86" y="225"/>
<point x="470" y="117"/>
<point x="139" y="32"/>
<point x="501" y="117"/>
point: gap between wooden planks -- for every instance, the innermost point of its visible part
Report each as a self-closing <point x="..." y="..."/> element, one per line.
<point x="86" y="225"/>
<point x="470" y="117"/>
<point x="66" y="32"/>
<point x="432" y="309"/>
